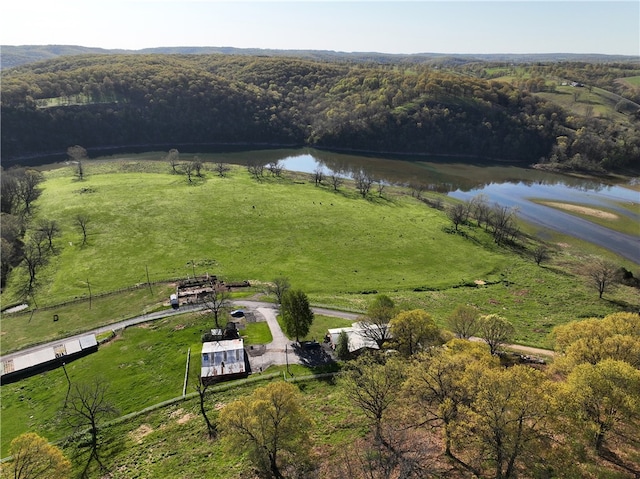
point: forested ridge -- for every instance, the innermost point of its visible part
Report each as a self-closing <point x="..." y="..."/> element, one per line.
<point x="135" y="99"/>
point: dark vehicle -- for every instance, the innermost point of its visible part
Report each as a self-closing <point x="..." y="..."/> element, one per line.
<point x="237" y="313"/>
<point x="310" y="344"/>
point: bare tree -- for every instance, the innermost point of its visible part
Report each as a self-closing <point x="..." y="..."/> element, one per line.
<point x="50" y="229"/>
<point x="216" y="300"/>
<point x="602" y="275"/>
<point x="33" y="259"/>
<point x="173" y="157"/>
<point x="28" y="190"/>
<point x="495" y="330"/>
<point x="212" y="429"/>
<point x="375" y="325"/>
<point x="189" y="169"/>
<point x="278" y="287"/>
<point x="318" y="175"/>
<point x="86" y="408"/>
<point x="9" y="191"/>
<point x="256" y="169"/>
<point x="381" y="187"/>
<point x="480" y="209"/>
<point x="198" y="165"/>
<point x="275" y="168"/>
<point x="463" y="322"/>
<point x="417" y="190"/>
<point x="363" y="182"/>
<point x="78" y="155"/>
<point x="81" y="222"/>
<point x="373" y="385"/>
<point x="221" y="168"/>
<point x="336" y="180"/>
<point x="540" y="254"/>
<point x="503" y="223"/>
<point x="458" y="214"/>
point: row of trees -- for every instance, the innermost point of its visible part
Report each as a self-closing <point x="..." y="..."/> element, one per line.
<point x="502" y="422"/>
<point x="410" y="332"/>
<point x="158" y="99"/>
<point x="24" y="241"/>
<point x="438" y="408"/>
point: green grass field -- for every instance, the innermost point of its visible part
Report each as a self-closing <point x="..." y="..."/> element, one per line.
<point x="240" y="229"/>
<point x="144" y="365"/>
<point x="336" y="246"/>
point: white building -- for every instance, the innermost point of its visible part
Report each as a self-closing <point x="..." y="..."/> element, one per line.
<point x="358" y="340"/>
<point x="222" y="360"/>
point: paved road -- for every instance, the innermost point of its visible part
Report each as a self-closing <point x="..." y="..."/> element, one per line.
<point x="278" y="351"/>
<point x="267" y="310"/>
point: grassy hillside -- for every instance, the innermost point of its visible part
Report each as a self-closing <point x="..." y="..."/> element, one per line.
<point x="336" y="246"/>
<point x="239" y="228"/>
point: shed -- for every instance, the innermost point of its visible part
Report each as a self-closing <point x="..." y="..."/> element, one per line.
<point x="357" y="339"/>
<point x="222" y="360"/>
<point x="46" y="358"/>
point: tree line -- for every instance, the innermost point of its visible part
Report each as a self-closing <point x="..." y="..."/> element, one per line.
<point x="23" y="241"/>
<point x="127" y="100"/>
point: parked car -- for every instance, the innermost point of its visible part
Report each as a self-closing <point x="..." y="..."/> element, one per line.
<point x="237" y="313"/>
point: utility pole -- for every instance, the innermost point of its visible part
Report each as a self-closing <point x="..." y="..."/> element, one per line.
<point x="89" y="286"/>
<point x="148" y="280"/>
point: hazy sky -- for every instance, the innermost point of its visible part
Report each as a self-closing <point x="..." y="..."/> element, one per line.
<point x="609" y="27"/>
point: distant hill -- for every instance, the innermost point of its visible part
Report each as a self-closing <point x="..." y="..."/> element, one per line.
<point x="12" y="56"/>
<point x="187" y="101"/>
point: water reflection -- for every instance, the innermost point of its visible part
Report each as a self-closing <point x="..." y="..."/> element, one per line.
<point x="503" y="184"/>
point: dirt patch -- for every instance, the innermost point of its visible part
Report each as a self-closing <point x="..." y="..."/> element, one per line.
<point x="480" y="282"/>
<point x="584" y="210"/>
<point x="139" y="434"/>
<point x="180" y="416"/>
<point x="185" y="418"/>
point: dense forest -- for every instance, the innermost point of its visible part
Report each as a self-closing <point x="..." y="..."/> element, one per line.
<point x="475" y="109"/>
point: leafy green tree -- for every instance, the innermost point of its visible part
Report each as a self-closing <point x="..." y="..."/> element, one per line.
<point x="509" y="422"/>
<point x="437" y="384"/>
<point x="33" y="457"/>
<point x="271" y="425"/>
<point x="296" y="313"/>
<point x="603" y="396"/>
<point x="463" y="322"/>
<point x="616" y="336"/>
<point x="342" y="346"/>
<point x="413" y="331"/>
<point x="495" y="330"/>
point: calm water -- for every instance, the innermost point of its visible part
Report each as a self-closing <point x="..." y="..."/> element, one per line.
<point x="506" y="185"/>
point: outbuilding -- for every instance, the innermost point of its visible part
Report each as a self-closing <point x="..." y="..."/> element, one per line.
<point x="223" y="360"/>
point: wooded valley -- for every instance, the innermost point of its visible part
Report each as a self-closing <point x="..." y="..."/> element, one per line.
<point x="482" y="110"/>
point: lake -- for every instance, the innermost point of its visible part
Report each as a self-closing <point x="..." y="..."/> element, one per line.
<point x="506" y="185"/>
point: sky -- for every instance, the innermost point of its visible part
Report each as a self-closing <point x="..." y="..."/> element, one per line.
<point x="419" y="26"/>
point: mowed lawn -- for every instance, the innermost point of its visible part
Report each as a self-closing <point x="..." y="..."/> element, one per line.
<point x="242" y="229"/>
